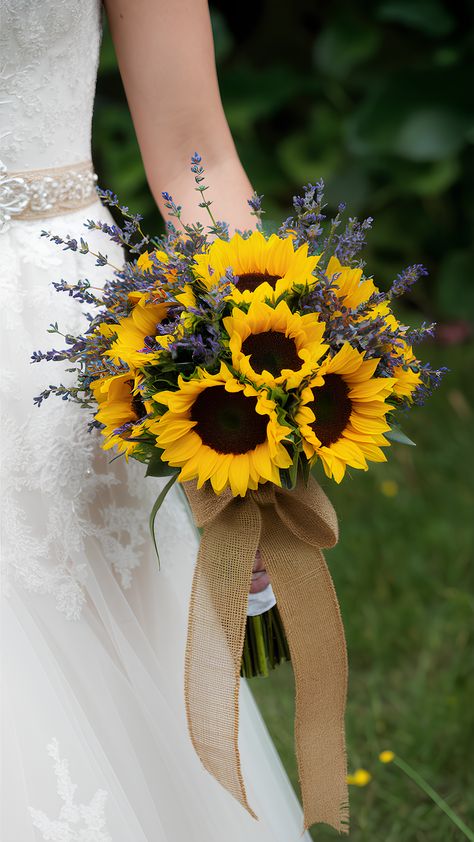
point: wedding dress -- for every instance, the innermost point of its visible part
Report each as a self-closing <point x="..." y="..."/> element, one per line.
<point x="94" y="741"/>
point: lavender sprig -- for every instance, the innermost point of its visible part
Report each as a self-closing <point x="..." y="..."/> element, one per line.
<point x="71" y="244"/>
<point x="414" y="336"/>
<point x="430" y="381"/>
<point x="406" y="279"/>
<point x="306" y="223"/>
<point x="352" y="240"/>
<point x="256" y="209"/>
<point x="81" y="291"/>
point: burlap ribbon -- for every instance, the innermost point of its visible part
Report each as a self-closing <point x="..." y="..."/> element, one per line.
<point x="290" y="528"/>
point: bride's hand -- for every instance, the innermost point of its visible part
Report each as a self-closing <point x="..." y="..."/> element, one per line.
<point x="260" y="577"/>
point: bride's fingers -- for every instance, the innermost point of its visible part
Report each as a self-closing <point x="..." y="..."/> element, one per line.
<point x="258" y="563"/>
<point x="260" y="580"/>
<point x="260" y="577"/>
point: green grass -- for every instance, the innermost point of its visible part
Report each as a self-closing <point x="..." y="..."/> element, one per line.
<point x="404" y="575"/>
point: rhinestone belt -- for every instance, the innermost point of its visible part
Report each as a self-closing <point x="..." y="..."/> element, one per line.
<point x="36" y="194"/>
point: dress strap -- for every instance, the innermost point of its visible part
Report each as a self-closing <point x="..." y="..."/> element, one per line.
<point x="37" y="194"/>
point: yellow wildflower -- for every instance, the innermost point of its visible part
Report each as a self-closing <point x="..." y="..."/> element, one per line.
<point x="389" y="488"/>
<point x="361" y="777"/>
<point x="386" y="756"/>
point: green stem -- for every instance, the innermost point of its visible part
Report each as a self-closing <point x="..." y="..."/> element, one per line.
<point x="112" y="266"/>
<point x="202" y="190"/>
<point x="283" y="649"/>
<point x="246" y="669"/>
<point x="270" y="641"/>
<point x="440" y="802"/>
<point x="265" y="644"/>
<point x="260" y="642"/>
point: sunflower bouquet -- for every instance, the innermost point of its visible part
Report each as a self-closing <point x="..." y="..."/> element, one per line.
<point x="239" y="365"/>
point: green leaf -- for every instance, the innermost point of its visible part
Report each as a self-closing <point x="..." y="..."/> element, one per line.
<point x="156" y="507"/>
<point x="431" y="134"/>
<point x="315" y="151"/>
<point x="344" y="45"/>
<point x="305" y="469"/>
<point x="266" y="92"/>
<point x="435" y="177"/>
<point x="289" y="476"/>
<point x="420" y="115"/>
<point x="396" y="434"/>
<point x="157" y="467"/>
<point x="428" y="16"/>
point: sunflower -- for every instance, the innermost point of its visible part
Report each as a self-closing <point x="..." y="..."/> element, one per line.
<point x="121" y="410"/>
<point x="265" y="268"/>
<point x="342" y="413"/>
<point x="221" y="430"/>
<point x="272" y="345"/>
<point x="349" y="285"/>
<point x="136" y="334"/>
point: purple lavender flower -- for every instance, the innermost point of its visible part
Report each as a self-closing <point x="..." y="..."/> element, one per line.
<point x="406" y="279"/>
<point x="352" y="240"/>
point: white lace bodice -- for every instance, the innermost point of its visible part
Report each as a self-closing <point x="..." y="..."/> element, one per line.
<point x="49" y="53"/>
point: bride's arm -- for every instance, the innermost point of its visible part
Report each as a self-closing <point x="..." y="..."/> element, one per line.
<point x="165" y="52"/>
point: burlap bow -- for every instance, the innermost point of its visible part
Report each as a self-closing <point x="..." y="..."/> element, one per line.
<point x="290" y="528"/>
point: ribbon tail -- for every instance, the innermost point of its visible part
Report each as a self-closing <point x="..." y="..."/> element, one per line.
<point x="216" y="629"/>
<point x="310" y="612"/>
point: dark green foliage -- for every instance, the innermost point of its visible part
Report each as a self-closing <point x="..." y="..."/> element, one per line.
<point x="374" y="97"/>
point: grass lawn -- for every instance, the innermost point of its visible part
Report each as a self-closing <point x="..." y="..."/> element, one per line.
<point x="404" y="575"/>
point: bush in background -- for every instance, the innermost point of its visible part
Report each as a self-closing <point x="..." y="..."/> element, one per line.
<point x="374" y="97"/>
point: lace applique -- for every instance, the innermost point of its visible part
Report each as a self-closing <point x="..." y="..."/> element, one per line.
<point x="76" y="822"/>
<point x="62" y="494"/>
<point x="59" y="489"/>
<point x="119" y="542"/>
<point x="49" y="51"/>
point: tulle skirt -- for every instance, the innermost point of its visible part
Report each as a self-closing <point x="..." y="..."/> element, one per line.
<point x="94" y="740"/>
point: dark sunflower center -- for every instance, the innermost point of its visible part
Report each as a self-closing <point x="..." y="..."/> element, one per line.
<point x="332" y="408"/>
<point x="251" y="280"/>
<point x="271" y="351"/>
<point x="228" y="422"/>
<point x="138" y="407"/>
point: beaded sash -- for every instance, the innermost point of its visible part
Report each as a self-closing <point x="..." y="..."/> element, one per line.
<point x="36" y="194"/>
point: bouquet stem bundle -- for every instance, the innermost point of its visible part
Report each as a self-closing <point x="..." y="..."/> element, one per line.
<point x="265" y="644"/>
